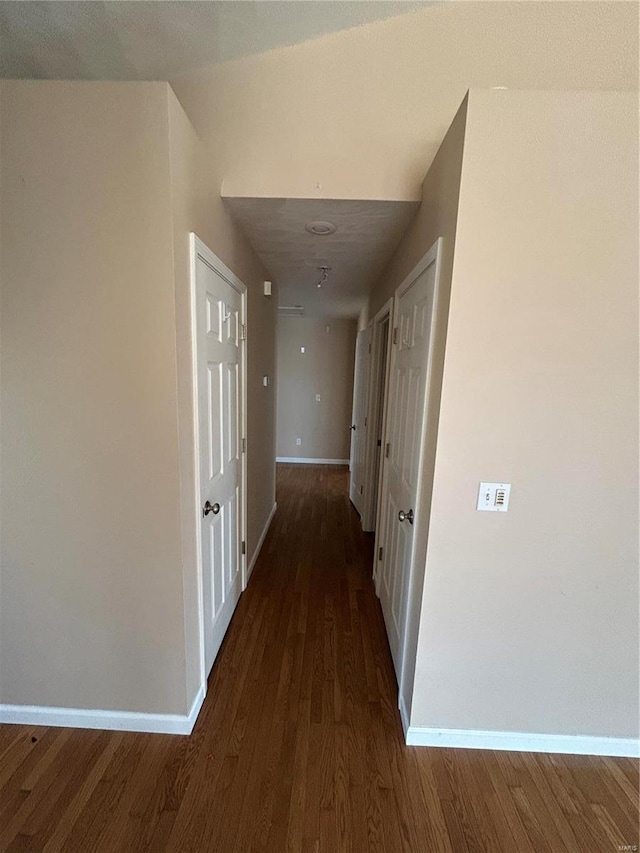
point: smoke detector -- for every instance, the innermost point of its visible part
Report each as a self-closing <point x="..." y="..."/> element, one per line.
<point x="321" y="228"/>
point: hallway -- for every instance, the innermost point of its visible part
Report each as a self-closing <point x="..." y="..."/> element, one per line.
<point x="299" y="745"/>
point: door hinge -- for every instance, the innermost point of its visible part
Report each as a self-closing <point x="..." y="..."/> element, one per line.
<point x="361" y="489"/>
<point x="380" y="552"/>
<point x="243" y="548"/>
<point x="387" y="449"/>
<point x="244" y="445"/>
<point x="369" y="347"/>
<point x="243" y="332"/>
<point x="395" y="335"/>
<point x="365" y="421"/>
<point x="379" y="443"/>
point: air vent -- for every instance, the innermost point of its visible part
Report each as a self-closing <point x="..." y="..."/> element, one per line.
<point x="321" y="228"/>
<point x="291" y="310"/>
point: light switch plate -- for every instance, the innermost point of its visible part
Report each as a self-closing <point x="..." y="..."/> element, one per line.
<point x="493" y="497"/>
<point x="317" y="398"/>
<point x="302" y="349"/>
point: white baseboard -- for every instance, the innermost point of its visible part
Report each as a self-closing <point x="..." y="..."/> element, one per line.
<point x="522" y="742"/>
<point x="263" y="536"/>
<point x="304" y="460"/>
<point x="122" y="721"/>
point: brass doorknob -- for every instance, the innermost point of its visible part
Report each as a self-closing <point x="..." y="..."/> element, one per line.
<point x="208" y="507"/>
<point x="402" y="515"/>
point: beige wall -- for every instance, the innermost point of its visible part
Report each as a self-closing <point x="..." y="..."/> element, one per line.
<point x="530" y="618"/>
<point x="91" y="613"/>
<point x="362" y="112"/>
<point x="436" y="217"/>
<point x="197" y="206"/>
<point x="325" y="368"/>
<point x="101" y="184"/>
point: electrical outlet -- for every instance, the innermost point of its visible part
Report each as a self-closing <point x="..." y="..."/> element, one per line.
<point x="302" y="350"/>
<point x="317" y="398"/>
<point x="493" y="497"/>
<point x="298" y="442"/>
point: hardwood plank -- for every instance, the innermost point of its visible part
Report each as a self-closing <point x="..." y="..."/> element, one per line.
<point x="299" y="746"/>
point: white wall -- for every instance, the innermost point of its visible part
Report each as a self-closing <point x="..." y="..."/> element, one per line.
<point x="196" y="206"/>
<point x="326" y="368"/>
<point x="91" y="612"/>
<point x="436" y="217"/>
<point x="101" y="184"/>
<point x="361" y="113"/>
<point x="530" y="618"/>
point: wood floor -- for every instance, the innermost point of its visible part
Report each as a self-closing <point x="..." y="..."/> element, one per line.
<point x="299" y="746"/>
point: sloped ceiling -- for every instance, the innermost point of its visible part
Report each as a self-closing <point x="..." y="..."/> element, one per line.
<point x="155" y="40"/>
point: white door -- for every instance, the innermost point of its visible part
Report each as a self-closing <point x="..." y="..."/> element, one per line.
<point x="359" y="419"/>
<point x="407" y="400"/>
<point x="218" y="315"/>
<point x="378" y="369"/>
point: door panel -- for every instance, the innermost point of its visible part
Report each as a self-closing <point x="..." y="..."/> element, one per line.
<point x="214" y="433"/>
<point x="359" y="420"/>
<point x="219" y="352"/>
<point x="413" y="314"/>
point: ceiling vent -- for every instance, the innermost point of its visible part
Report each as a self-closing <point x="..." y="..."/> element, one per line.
<point x="291" y="310"/>
<point x="321" y="228"/>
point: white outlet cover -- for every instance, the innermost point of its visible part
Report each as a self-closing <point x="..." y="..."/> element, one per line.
<point x="317" y="398"/>
<point x="298" y="442"/>
<point x="301" y="349"/>
<point x="493" y="497"/>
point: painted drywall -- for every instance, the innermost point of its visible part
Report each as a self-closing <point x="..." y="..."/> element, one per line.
<point x="325" y="368"/>
<point x="197" y="206"/>
<point x="101" y="184"/>
<point x="91" y="612"/>
<point x="361" y="113"/>
<point x="530" y="618"/>
<point x="436" y="217"/>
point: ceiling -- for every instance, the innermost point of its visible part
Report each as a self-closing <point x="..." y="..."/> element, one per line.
<point x="367" y="234"/>
<point x="138" y="40"/>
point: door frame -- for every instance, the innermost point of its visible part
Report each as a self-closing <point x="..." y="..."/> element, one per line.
<point x="433" y="255"/>
<point x="199" y="250"/>
<point x="376" y="403"/>
<point x="360" y="385"/>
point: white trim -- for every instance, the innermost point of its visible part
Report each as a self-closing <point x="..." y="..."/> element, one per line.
<point x="523" y="742"/>
<point x="306" y="460"/>
<point x="263" y="536"/>
<point x="377" y="406"/>
<point x="359" y="420"/>
<point x="122" y="721"/>
<point x="433" y="256"/>
<point x="193" y="258"/>
<point x="217" y="264"/>
<point x="404" y="717"/>
<point x="198" y="249"/>
<point x="244" y="426"/>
